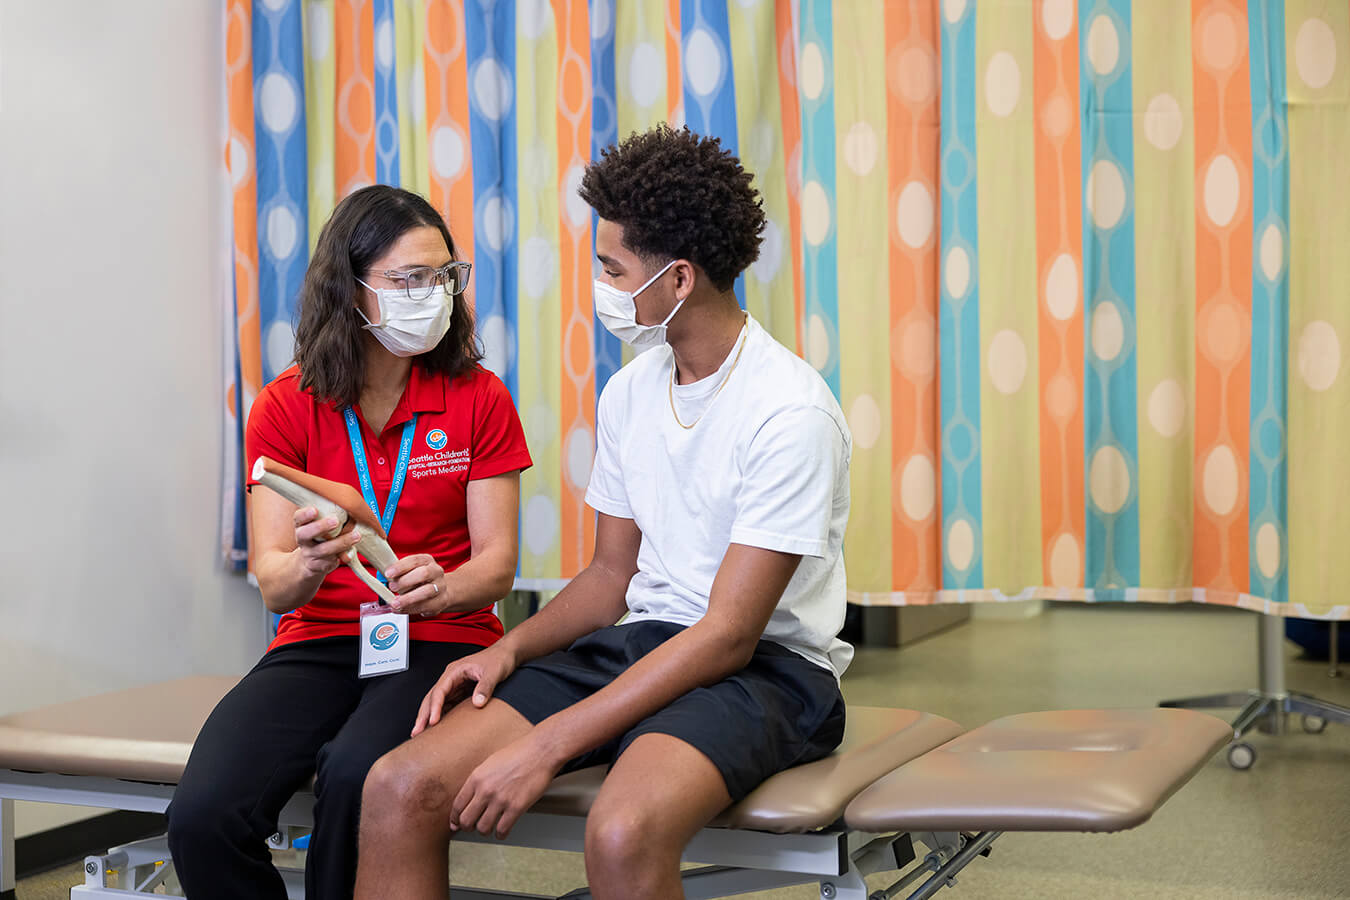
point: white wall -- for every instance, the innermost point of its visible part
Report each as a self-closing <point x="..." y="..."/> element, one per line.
<point x="110" y="352"/>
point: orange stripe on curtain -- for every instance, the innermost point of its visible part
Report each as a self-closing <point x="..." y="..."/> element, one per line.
<point x="674" y="70"/>
<point x="1223" y="265"/>
<point x="240" y="158"/>
<point x="912" y="112"/>
<point x="577" y="394"/>
<point x="792" y="155"/>
<point x="445" y="65"/>
<point x="1059" y="267"/>
<point x="354" y="153"/>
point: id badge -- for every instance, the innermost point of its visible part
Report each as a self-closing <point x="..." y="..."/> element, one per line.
<point x="384" y="641"/>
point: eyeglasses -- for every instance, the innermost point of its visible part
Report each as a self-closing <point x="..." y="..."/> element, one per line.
<point x="420" y="282"/>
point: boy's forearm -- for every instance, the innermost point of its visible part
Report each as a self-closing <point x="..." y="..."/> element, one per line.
<point x="594" y="599"/>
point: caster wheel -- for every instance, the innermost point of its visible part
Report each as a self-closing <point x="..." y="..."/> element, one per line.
<point x="1314" y="724"/>
<point x="1241" y="756"/>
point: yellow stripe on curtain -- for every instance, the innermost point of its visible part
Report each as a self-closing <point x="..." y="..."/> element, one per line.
<point x="410" y="34"/>
<point x="320" y="113"/>
<point x="1164" y="162"/>
<point x="1318" y="38"/>
<point x="1006" y="175"/>
<point x="759" y="116"/>
<point x="864" y="289"/>
<point x="539" y="357"/>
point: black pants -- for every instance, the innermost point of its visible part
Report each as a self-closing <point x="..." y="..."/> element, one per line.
<point x="301" y="711"/>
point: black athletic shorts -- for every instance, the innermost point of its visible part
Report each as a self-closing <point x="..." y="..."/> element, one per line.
<point x="781" y="710"/>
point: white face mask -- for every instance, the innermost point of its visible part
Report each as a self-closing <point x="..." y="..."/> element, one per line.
<point x="618" y="313"/>
<point x="409" y="327"/>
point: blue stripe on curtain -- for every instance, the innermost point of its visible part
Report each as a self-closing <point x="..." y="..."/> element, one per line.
<point x="1111" y="402"/>
<point x="1267" y="503"/>
<point x="709" y="82"/>
<point x="604" y="132"/>
<point x="236" y="524"/>
<point x="282" y="166"/>
<point x="959" y="315"/>
<point x="386" y="94"/>
<point x="491" y="41"/>
<point x="820" y="260"/>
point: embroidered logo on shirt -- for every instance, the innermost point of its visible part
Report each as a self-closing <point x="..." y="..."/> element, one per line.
<point x="442" y="462"/>
<point x="436" y="439"/>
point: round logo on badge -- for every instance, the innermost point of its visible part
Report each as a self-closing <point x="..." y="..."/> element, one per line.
<point x="436" y="439"/>
<point x="384" y="636"/>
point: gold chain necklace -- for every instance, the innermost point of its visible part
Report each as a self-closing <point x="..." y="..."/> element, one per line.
<point x="671" y="392"/>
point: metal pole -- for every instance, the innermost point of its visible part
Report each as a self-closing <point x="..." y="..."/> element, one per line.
<point x="1270" y="655"/>
<point x="1335" y="650"/>
<point x="947" y="874"/>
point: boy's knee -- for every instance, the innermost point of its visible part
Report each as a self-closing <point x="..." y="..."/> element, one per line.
<point x="626" y="843"/>
<point x="400" y="786"/>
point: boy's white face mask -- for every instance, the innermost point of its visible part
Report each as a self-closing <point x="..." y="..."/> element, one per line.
<point x="409" y="327"/>
<point x="618" y="313"/>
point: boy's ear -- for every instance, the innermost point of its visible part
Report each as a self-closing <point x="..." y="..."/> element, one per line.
<point x="685" y="276"/>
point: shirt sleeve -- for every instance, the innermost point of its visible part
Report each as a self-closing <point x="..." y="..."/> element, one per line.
<point x="606" y="492"/>
<point x="498" y="439"/>
<point x="276" y="429"/>
<point x="785" y="501"/>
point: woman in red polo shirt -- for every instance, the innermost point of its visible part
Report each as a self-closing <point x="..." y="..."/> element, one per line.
<point x="388" y="396"/>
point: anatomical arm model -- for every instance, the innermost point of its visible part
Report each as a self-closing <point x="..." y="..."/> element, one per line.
<point x="341" y="502"/>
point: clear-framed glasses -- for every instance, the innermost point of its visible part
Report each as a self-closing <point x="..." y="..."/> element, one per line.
<point x="420" y="282"/>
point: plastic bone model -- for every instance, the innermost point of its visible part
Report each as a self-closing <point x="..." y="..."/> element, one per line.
<point x="336" y="500"/>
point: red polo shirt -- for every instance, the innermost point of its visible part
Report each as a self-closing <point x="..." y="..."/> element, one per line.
<point x="466" y="429"/>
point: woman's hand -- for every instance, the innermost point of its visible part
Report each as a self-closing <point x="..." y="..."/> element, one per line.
<point x="485" y="669"/>
<point x="319" y="555"/>
<point x="419" y="582"/>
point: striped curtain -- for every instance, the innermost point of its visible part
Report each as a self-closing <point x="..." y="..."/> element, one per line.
<point x="1078" y="272"/>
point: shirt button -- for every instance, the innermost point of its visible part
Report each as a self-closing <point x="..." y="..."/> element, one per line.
<point x="380" y="461"/>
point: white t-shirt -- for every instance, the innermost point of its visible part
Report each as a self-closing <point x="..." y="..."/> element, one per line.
<point x="766" y="465"/>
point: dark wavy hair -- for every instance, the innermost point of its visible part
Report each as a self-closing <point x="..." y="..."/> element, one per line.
<point x="679" y="195"/>
<point x="329" y="342"/>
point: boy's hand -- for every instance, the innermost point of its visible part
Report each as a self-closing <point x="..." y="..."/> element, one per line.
<point x="503" y="787"/>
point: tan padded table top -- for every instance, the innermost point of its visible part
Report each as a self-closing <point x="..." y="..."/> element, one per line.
<point x="1087" y="770"/>
<point x="807" y="797"/>
<point x="146" y="734"/>
<point x="140" y="734"/>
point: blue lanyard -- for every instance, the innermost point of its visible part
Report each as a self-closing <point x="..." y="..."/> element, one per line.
<point x="363" y="468"/>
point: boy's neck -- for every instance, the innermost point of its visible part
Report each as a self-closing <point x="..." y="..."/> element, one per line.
<point x="706" y="336"/>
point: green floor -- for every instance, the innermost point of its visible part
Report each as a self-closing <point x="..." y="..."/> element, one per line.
<point x="1281" y="829"/>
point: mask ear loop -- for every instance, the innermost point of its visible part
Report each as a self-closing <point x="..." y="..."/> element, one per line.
<point x="652" y="280"/>
<point x="357" y="307"/>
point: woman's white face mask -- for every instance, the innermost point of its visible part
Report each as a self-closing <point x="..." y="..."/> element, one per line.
<point x="618" y="313"/>
<point x="409" y="327"/>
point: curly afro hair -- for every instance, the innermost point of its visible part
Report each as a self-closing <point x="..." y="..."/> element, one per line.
<point x="678" y="195"/>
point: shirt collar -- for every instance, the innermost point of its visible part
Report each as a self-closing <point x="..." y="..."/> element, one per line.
<point x="425" y="392"/>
